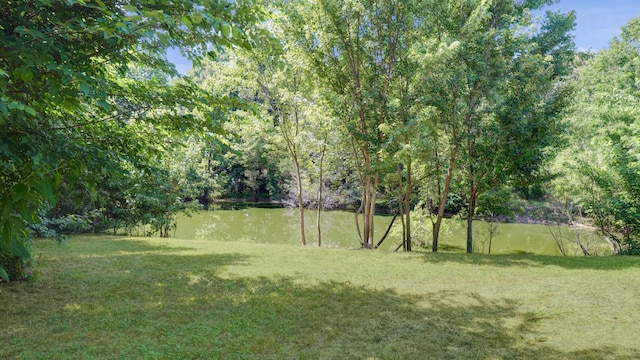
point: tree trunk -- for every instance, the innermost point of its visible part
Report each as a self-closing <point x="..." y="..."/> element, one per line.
<point x="490" y="241"/>
<point x="358" y="212"/>
<point x="365" y="215"/>
<point x="300" y="202"/>
<point x="370" y="210"/>
<point x="205" y="201"/>
<point x="386" y="232"/>
<point x="401" y="202"/>
<point x="611" y="239"/>
<point x="471" y="210"/>
<point x="407" y="206"/>
<point x="443" y="201"/>
<point x="319" y="199"/>
<point x="291" y="141"/>
<point x="404" y="206"/>
<point x="368" y="206"/>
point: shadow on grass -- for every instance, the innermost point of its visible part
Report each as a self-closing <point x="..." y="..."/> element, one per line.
<point x="529" y="260"/>
<point x="118" y="244"/>
<point x="173" y="306"/>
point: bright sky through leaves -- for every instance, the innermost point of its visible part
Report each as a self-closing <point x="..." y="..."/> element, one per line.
<point x="597" y="23"/>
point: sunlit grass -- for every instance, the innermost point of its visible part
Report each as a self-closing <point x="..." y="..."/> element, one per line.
<point x="108" y="297"/>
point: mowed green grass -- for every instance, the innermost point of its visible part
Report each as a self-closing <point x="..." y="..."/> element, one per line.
<point x="147" y="298"/>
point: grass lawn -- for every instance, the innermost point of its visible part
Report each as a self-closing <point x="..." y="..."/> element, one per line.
<point x="134" y="298"/>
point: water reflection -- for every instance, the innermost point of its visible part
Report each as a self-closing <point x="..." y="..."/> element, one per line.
<point x="271" y="224"/>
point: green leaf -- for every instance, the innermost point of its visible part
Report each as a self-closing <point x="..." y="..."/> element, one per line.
<point x="6" y="233"/>
<point x="196" y="18"/>
<point x="103" y="104"/>
<point x="6" y="210"/>
<point x="19" y="191"/>
<point x="236" y="33"/>
<point x="25" y="212"/>
<point x="26" y="75"/>
<point x="37" y="158"/>
<point x="3" y="274"/>
<point x="86" y="89"/>
<point x="163" y="38"/>
<point x="47" y="191"/>
<point x="130" y="8"/>
<point x="58" y="100"/>
<point x="18" y="249"/>
<point x="29" y="110"/>
<point x="13" y="105"/>
<point x="187" y="22"/>
<point x="225" y="29"/>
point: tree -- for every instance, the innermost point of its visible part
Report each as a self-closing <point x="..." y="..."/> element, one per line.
<point x="64" y="111"/>
<point x="522" y="100"/>
<point x="478" y="81"/>
<point x="354" y="47"/>
<point x="245" y="153"/>
<point x="281" y="83"/>
<point x="600" y="168"/>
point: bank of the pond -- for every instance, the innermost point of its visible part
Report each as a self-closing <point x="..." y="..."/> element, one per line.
<point x="272" y="224"/>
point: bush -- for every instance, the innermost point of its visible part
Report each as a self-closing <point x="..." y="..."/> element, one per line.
<point x="630" y="247"/>
<point x="56" y="228"/>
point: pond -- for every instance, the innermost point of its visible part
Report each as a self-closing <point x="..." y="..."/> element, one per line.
<point x="281" y="225"/>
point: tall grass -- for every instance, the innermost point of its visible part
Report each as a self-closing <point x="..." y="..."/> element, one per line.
<point x="106" y="298"/>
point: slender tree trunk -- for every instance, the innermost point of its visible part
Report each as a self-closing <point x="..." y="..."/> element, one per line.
<point x="443" y="201"/>
<point x="436" y="233"/>
<point x="470" y="213"/>
<point x="404" y="206"/>
<point x="407" y="205"/>
<point x="611" y="239"/>
<point x="292" y="148"/>
<point x="365" y="210"/>
<point x="358" y="212"/>
<point x="369" y="186"/>
<point x="372" y="214"/>
<point x="386" y="233"/>
<point x="361" y="178"/>
<point x="300" y="202"/>
<point x="471" y="209"/>
<point x="490" y="242"/>
<point x="205" y="196"/>
<point x="370" y="210"/>
<point x="320" y="182"/>
<point x="401" y="195"/>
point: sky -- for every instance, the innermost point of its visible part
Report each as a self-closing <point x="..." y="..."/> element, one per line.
<point x="598" y="22"/>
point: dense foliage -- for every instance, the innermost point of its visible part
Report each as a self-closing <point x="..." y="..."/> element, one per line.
<point x="601" y="165"/>
<point x="84" y="98"/>
<point x="410" y="88"/>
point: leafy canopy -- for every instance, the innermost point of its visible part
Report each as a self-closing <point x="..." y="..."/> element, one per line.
<point x="69" y="104"/>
